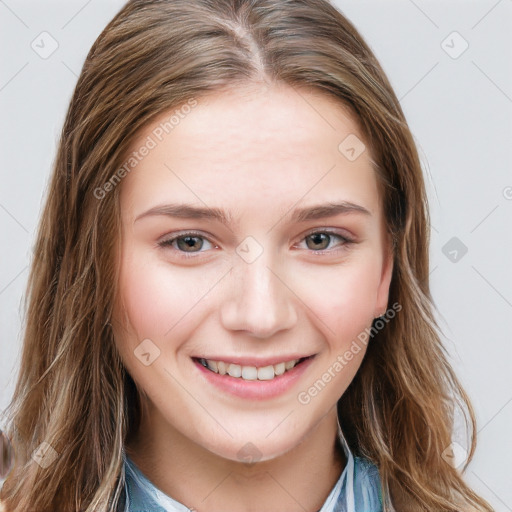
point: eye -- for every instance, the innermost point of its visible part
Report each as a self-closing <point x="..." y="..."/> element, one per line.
<point x="319" y="241"/>
<point x="190" y="244"/>
<point x="187" y="243"/>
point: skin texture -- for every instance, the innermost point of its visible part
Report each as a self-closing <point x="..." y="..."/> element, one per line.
<point x="257" y="153"/>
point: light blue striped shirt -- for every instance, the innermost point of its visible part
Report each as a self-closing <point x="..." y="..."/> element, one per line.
<point x="357" y="490"/>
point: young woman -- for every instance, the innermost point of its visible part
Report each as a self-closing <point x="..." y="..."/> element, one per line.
<point x="229" y="306"/>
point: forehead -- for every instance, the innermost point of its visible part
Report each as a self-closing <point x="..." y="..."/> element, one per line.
<point x="270" y="146"/>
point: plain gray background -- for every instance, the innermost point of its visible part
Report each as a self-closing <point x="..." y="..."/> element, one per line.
<point x="450" y="63"/>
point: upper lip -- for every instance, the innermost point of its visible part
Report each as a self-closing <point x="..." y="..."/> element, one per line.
<point x="258" y="362"/>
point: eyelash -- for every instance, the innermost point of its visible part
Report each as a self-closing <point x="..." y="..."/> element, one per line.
<point x="346" y="242"/>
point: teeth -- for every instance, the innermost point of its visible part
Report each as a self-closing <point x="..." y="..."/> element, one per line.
<point x="248" y="372"/>
<point x="235" y="370"/>
<point x="280" y="368"/>
<point x="266" y="373"/>
<point x="222" y="367"/>
<point x="213" y="366"/>
<point x="289" y="365"/>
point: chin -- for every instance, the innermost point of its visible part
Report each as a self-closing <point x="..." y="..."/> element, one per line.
<point x="250" y="452"/>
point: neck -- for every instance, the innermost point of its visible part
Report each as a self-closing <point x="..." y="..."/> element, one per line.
<point x="301" y="479"/>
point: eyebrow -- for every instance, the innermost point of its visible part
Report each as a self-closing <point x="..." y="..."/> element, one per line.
<point x="188" y="211"/>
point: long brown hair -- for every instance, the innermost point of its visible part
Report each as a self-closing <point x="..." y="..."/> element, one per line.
<point x="74" y="402"/>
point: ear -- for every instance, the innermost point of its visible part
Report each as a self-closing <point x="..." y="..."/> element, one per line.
<point x="381" y="304"/>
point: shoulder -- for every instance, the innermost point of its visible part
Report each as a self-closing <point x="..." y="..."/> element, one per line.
<point x="2" y="508"/>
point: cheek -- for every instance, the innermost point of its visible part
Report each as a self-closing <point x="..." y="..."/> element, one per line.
<point x="158" y="300"/>
<point x="343" y="298"/>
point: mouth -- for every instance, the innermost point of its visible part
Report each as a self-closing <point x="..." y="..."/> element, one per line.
<point x="249" y="372"/>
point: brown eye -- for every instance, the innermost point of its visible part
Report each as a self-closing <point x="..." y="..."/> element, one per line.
<point x="320" y="241"/>
<point x="189" y="243"/>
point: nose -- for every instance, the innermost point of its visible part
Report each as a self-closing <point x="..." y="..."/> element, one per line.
<point x="258" y="300"/>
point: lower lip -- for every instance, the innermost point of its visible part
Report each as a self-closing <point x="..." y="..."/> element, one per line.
<point x="256" y="389"/>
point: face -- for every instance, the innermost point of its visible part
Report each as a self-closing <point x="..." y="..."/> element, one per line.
<point x="233" y="255"/>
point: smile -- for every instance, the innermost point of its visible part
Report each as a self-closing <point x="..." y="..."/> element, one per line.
<point x="250" y="372"/>
<point x="264" y="379"/>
